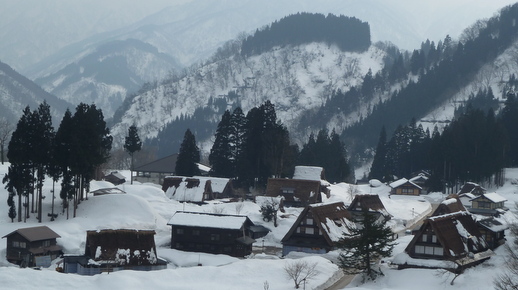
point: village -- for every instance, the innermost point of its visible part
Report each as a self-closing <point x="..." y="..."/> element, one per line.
<point x="160" y="221"/>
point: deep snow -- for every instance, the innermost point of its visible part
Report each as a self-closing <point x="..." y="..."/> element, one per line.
<point x="145" y="206"/>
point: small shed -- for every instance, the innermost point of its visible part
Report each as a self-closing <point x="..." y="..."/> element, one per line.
<point x="32" y="247"/>
<point x="115" y="177"/>
<point x="493" y="231"/>
<point x="318" y="228"/>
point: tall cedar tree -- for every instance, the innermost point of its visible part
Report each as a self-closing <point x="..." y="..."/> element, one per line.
<point x="42" y="153"/>
<point x="328" y="152"/>
<point x="221" y="158"/>
<point x="188" y="156"/>
<point x="379" y="168"/>
<point x="365" y="243"/>
<point x="63" y="148"/>
<point x="19" y="176"/>
<point x="237" y="138"/>
<point x="91" y="144"/>
<point x="266" y="149"/>
<point x="132" y="144"/>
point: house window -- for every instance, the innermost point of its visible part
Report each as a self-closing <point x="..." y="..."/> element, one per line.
<point x="17" y="244"/>
<point x="407" y="191"/>
<point x="214" y="237"/>
<point x="310" y="231"/>
<point x="434" y="239"/>
<point x="179" y="231"/>
<point x="424" y="238"/>
<point x="433" y="251"/>
<point x="309" y="221"/>
<point x="484" y="204"/>
<point x="195" y="232"/>
<point x="46" y="243"/>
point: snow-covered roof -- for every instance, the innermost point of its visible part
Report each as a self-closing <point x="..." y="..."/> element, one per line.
<point x="308" y="173"/>
<point x="217" y="184"/>
<point x="494" y="197"/>
<point x="186" y="191"/>
<point x="203" y="168"/>
<point x="402" y="181"/>
<point x="207" y="220"/>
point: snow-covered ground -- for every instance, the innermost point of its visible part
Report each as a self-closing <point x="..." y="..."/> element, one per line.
<point x="145" y="206"/>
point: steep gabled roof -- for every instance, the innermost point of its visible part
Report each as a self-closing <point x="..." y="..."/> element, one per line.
<point x="450" y="205"/>
<point x="209" y="220"/>
<point x="163" y="165"/>
<point x="332" y="220"/>
<point x="471" y="187"/>
<point x="33" y="234"/>
<point x="457" y="233"/>
<point x="122" y="246"/>
<point x="368" y="202"/>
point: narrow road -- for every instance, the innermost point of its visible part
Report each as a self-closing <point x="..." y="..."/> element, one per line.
<point x="342" y="283"/>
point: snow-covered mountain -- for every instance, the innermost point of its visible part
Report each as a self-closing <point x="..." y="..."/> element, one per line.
<point x="18" y="92"/>
<point x="295" y="79"/>
<point x="106" y="75"/>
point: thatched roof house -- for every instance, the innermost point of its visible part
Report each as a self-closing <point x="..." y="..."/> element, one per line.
<point x="451" y="237"/>
<point x="318" y="228"/>
<point x="370" y="203"/>
<point x="188" y="189"/>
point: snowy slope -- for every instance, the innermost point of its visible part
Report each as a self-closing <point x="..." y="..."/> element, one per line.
<point x="294" y="79"/>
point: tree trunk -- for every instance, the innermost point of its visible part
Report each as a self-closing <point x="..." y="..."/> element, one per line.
<point x="19" y="206"/>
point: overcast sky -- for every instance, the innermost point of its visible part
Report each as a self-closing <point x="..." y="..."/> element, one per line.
<point x="32" y="29"/>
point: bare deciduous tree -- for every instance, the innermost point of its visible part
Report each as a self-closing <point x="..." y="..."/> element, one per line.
<point x="300" y="271"/>
<point x="6" y="129"/>
<point x="508" y="279"/>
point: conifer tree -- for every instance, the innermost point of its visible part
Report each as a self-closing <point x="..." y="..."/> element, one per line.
<point x="188" y="157"/>
<point x="363" y="244"/>
<point x="132" y="144"/>
<point x="220" y="157"/>
<point x="378" y="168"/>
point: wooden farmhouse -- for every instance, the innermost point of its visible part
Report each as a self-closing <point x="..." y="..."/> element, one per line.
<point x="491" y="204"/>
<point x="318" y="228"/>
<point x="188" y="189"/>
<point x="155" y="171"/>
<point x="115" y="250"/>
<point x="211" y="233"/>
<point x="491" y="229"/>
<point x="404" y="186"/>
<point x="32" y="247"/>
<point x="453" y="238"/>
<point x="368" y="203"/>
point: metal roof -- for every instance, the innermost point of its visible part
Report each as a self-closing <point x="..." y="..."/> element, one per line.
<point x="36" y="233"/>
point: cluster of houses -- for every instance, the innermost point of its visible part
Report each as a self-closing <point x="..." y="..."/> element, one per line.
<point x="455" y="231"/>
